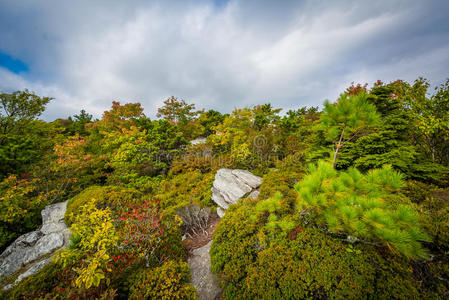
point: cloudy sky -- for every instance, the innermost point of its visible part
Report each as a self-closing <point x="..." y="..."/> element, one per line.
<point x="216" y="54"/>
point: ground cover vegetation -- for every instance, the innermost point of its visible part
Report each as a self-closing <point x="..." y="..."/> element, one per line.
<point x="354" y="201"/>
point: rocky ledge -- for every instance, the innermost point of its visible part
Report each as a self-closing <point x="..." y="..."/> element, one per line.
<point x="231" y="185"/>
<point x="30" y="249"/>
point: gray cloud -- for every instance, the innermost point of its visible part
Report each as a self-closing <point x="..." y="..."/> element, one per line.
<point x="88" y="53"/>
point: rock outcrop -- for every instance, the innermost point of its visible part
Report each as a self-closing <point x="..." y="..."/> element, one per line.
<point x="30" y="248"/>
<point x="197" y="141"/>
<point x="201" y="276"/>
<point x="231" y="185"/>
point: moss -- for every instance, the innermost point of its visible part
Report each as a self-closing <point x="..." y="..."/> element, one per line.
<point x="254" y="264"/>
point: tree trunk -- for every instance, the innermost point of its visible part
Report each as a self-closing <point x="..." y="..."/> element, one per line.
<point x="338" y="147"/>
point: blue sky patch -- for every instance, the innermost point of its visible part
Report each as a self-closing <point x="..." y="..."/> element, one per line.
<point x="14" y="65"/>
<point x="220" y="3"/>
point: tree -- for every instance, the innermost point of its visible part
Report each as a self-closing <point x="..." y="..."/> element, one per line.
<point x="349" y="117"/>
<point x="19" y="150"/>
<point x="136" y="154"/>
<point x="177" y="111"/>
<point x="19" y="107"/>
<point x="78" y="122"/>
<point x="363" y="206"/>
<point x="431" y="117"/>
<point x="23" y="139"/>
<point x="121" y="116"/>
<point x="210" y="119"/>
<point x="265" y="115"/>
<point x="390" y="143"/>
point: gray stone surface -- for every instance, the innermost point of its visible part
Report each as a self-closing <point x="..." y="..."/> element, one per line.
<point x="32" y="246"/>
<point x="32" y="270"/>
<point x="53" y="227"/>
<point x="201" y="276"/>
<point x="54" y="213"/>
<point x="220" y="212"/>
<point x="231" y="185"/>
<point x="200" y="140"/>
<point x="254" y="194"/>
<point x="247" y="177"/>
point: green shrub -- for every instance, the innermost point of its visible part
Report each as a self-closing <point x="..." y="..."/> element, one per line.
<point x="20" y="207"/>
<point x="435" y="210"/>
<point x="113" y="197"/>
<point x="257" y="264"/>
<point x="169" y="281"/>
<point x="280" y="180"/>
<point x="185" y="189"/>
<point x="235" y="246"/>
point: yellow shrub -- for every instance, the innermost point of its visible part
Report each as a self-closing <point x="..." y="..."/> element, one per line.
<point x="93" y="236"/>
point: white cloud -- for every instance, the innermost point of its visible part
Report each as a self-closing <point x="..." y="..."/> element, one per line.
<point x="86" y="54"/>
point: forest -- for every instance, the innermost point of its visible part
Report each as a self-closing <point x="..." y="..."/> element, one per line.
<point x="353" y="204"/>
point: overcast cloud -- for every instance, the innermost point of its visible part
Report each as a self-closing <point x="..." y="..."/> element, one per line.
<point x="216" y="54"/>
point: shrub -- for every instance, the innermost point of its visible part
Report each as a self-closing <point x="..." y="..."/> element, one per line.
<point x="194" y="218"/>
<point x="169" y="281"/>
<point x="185" y="189"/>
<point x="306" y="264"/>
<point x="282" y="179"/>
<point x="147" y="235"/>
<point x="435" y="209"/>
<point x="94" y="234"/>
<point x="20" y="206"/>
<point x="195" y="157"/>
<point x="104" y="196"/>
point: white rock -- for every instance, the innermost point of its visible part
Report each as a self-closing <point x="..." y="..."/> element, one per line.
<point x="218" y="198"/>
<point x="220" y="212"/>
<point x="54" y="213"/>
<point x="231" y="185"/>
<point x="32" y="270"/>
<point x="53" y="227"/>
<point x="252" y="180"/>
<point x="34" y="245"/>
<point x="200" y="140"/>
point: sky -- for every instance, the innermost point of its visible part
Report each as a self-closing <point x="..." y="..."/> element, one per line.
<point x="216" y="54"/>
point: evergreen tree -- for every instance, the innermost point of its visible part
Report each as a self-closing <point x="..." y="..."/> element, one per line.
<point x="346" y="119"/>
<point x="365" y="207"/>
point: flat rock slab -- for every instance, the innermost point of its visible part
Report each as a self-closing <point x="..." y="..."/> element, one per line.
<point x="201" y="276"/>
<point x="231" y="185"/>
<point x="33" y="246"/>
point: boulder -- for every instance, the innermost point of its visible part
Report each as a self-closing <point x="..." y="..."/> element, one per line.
<point x="54" y="213"/>
<point x="33" y="246"/>
<point x="33" y="269"/>
<point x="231" y="185"/>
<point x="220" y="212"/>
<point x="197" y="141"/>
<point x="201" y="276"/>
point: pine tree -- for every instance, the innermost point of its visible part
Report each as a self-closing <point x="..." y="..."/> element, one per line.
<point x="346" y="119"/>
<point x="362" y="206"/>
